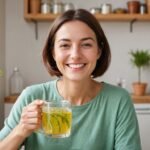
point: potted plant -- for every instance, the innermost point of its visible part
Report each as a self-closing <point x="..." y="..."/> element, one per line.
<point x="140" y="59"/>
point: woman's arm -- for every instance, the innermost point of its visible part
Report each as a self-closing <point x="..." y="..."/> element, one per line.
<point x="127" y="135"/>
<point x="29" y="122"/>
<point x="13" y="140"/>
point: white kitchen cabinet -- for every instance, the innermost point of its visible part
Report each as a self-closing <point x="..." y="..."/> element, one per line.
<point x="143" y="115"/>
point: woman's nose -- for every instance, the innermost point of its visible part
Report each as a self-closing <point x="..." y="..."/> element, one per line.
<point x="75" y="52"/>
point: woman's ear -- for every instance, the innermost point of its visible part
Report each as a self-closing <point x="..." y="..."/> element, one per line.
<point x="99" y="53"/>
<point x="53" y="54"/>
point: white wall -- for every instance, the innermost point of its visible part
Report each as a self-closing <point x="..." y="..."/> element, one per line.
<point x="24" y="51"/>
<point x="2" y="61"/>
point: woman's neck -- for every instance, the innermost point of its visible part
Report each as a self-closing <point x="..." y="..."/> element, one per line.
<point x="78" y="93"/>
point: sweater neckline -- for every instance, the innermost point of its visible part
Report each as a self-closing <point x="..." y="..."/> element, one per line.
<point x="86" y="104"/>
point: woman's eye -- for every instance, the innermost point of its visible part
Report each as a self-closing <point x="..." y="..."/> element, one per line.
<point x="87" y="45"/>
<point x="65" y="46"/>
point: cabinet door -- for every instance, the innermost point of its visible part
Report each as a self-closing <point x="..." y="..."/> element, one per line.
<point x="144" y="124"/>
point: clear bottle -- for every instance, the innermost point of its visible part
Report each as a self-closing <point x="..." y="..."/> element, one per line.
<point x="121" y="82"/>
<point x="16" y="82"/>
<point x="45" y="6"/>
<point x="57" y="7"/>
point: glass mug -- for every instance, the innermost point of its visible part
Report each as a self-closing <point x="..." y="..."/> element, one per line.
<point x="56" y="118"/>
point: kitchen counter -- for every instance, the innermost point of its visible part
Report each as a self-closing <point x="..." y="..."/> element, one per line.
<point x="141" y="99"/>
<point x="10" y="98"/>
<point x="136" y="99"/>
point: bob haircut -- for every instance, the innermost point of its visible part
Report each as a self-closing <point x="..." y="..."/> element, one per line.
<point x="87" y="18"/>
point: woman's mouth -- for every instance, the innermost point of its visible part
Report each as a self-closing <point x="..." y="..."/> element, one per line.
<point x="76" y="66"/>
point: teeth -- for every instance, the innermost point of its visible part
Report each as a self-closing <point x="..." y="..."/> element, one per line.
<point x="76" y="65"/>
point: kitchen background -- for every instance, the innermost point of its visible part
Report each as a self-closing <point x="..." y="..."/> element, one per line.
<point x="24" y="51"/>
<point x="19" y="47"/>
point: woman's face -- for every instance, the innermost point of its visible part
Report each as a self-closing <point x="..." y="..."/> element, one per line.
<point x="76" y="50"/>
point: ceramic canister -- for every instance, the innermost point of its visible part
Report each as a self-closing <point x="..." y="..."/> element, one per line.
<point x="133" y="6"/>
<point x="106" y="8"/>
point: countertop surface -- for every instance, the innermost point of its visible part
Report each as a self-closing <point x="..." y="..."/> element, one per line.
<point x="145" y="99"/>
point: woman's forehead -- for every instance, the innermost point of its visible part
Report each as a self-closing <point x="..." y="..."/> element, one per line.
<point x="74" y="29"/>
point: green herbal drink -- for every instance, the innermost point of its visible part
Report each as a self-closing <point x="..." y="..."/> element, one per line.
<point x="56" y="121"/>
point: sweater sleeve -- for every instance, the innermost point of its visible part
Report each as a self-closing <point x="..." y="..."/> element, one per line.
<point x="127" y="130"/>
<point x="14" y="116"/>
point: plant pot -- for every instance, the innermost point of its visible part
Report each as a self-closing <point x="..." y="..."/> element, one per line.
<point x="139" y="89"/>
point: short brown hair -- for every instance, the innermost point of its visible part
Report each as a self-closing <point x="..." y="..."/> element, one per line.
<point x="86" y="17"/>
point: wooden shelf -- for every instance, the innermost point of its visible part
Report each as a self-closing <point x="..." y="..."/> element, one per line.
<point x="100" y="17"/>
<point x="123" y="17"/>
<point x="131" y="18"/>
<point x="141" y="99"/>
<point x="40" y="17"/>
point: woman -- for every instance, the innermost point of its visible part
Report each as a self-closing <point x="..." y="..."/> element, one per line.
<point x="76" y="51"/>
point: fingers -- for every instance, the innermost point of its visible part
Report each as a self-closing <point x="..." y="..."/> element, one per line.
<point x="31" y="116"/>
<point x="27" y="115"/>
<point x="32" y="108"/>
<point x="37" y="102"/>
<point x="32" y="121"/>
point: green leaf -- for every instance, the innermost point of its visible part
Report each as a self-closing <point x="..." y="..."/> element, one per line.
<point x="140" y="59"/>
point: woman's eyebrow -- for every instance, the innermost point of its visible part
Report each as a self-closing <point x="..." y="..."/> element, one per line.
<point x="87" y="38"/>
<point x="83" y="39"/>
<point x="67" y="40"/>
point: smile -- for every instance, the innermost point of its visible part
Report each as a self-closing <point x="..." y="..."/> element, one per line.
<point x="75" y="66"/>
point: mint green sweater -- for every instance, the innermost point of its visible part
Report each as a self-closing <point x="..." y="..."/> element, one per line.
<point x="107" y="122"/>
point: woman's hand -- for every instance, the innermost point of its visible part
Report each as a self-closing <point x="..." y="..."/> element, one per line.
<point x="29" y="122"/>
<point x="31" y="118"/>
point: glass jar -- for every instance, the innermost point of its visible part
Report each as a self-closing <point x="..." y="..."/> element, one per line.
<point x="57" y="7"/>
<point x="45" y="6"/>
<point x="106" y="8"/>
<point x="143" y="8"/>
<point x="68" y="6"/>
<point x="16" y="82"/>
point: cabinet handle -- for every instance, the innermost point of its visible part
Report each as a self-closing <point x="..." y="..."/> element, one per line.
<point x="144" y="111"/>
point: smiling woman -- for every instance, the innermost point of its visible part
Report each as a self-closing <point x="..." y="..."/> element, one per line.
<point x="76" y="54"/>
<point x="76" y="51"/>
<point x="93" y="28"/>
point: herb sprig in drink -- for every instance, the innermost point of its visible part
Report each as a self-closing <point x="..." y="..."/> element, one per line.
<point x="57" y="120"/>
